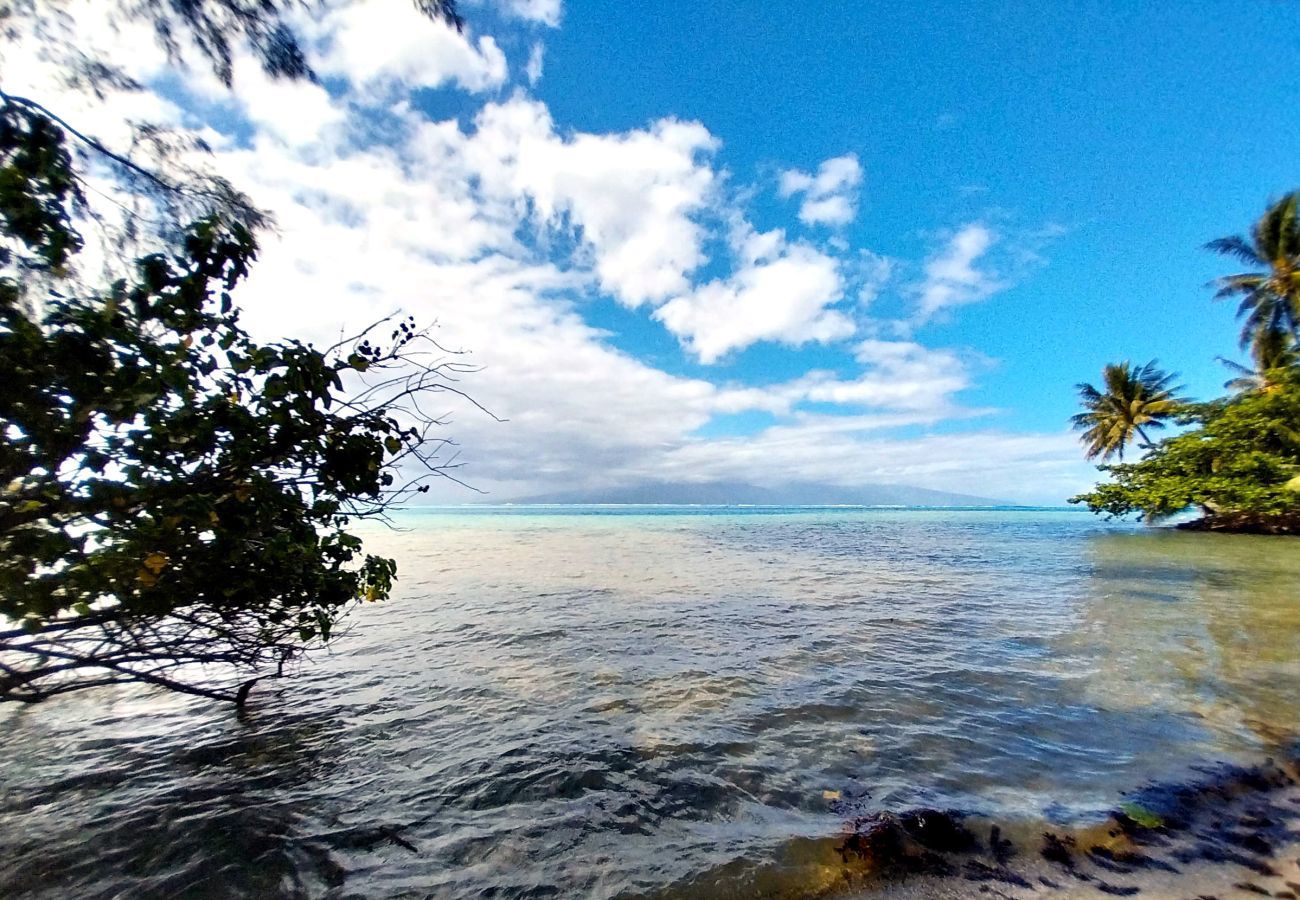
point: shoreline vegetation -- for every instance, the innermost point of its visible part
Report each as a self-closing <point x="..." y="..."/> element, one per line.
<point x="1238" y="458"/>
<point x="1244" y="523"/>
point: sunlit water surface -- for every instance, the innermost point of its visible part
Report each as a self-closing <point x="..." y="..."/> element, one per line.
<point x="607" y="705"/>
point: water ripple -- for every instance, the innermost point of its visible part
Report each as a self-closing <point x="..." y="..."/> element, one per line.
<point x="618" y="706"/>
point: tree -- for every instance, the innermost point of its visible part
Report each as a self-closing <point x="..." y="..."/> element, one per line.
<point x="1270" y="297"/>
<point x="1240" y="466"/>
<point x="1274" y="354"/>
<point x="1132" y="399"/>
<point x="177" y="494"/>
<point x="1239" y="459"/>
<point x="175" y="497"/>
<point x="164" y="183"/>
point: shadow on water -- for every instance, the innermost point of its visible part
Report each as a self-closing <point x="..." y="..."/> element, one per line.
<point x="222" y="813"/>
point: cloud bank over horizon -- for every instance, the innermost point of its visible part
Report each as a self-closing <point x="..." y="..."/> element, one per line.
<point x="524" y="238"/>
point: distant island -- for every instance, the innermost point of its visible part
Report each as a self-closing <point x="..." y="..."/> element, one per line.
<point x="735" y="492"/>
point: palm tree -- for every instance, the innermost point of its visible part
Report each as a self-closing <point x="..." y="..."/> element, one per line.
<point x="1274" y="353"/>
<point x="1270" y="297"/>
<point x="1132" y="397"/>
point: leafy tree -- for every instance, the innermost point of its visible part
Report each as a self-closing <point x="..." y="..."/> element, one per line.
<point x="175" y="497"/>
<point x="1239" y="459"/>
<point x="1240" y="467"/>
<point x="1270" y="297"/>
<point x="1132" y="398"/>
<point x="174" y="492"/>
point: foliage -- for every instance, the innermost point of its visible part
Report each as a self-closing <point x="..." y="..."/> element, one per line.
<point x="175" y="497"/>
<point x="1239" y="459"/>
<point x="1241" y="466"/>
<point x="213" y="28"/>
<point x="1132" y="397"/>
<point x="1274" y="354"/>
<point x="37" y="193"/>
<point x="162" y="178"/>
<point x="1270" y="298"/>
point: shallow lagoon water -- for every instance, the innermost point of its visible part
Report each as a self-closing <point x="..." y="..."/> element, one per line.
<point x="666" y="702"/>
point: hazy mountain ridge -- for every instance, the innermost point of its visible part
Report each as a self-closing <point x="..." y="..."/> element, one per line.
<point x="794" y="494"/>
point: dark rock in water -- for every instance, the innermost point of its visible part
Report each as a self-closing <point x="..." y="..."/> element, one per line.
<point x="934" y="864"/>
<point x="1126" y="861"/>
<point x="1001" y="850"/>
<point x="1231" y="816"/>
<point x="1057" y="849"/>
<point x="876" y="840"/>
<point x="936" y="830"/>
<point x="908" y="843"/>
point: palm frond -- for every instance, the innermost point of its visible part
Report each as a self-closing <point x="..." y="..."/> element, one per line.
<point x="1238" y="247"/>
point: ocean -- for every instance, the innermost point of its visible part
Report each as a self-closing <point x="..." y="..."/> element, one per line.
<point x="673" y="702"/>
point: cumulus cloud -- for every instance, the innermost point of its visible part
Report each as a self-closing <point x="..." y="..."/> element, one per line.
<point x="952" y="277"/>
<point x="631" y="197"/>
<point x="780" y="292"/>
<point x="500" y="229"/>
<point x="901" y="375"/>
<point x="1003" y="465"/>
<point x="830" y="196"/>
<point x="380" y="46"/>
<point x="914" y="383"/>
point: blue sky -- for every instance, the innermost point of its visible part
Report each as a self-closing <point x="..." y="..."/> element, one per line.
<point x="849" y="242"/>
<point x="1139" y="130"/>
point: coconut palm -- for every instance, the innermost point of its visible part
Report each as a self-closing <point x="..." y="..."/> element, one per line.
<point x="1270" y="297"/>
<point x="1274" y="353"/>
<point x="1132" y="399"/>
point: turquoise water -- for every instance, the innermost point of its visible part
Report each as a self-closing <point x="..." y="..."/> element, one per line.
<point x="672" y="702"/>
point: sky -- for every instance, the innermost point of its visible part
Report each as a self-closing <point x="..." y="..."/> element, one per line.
<point x="848" y="243"/>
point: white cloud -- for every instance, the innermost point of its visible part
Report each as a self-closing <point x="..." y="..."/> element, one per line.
<point x="1005" y="466"/>
<point x="471" y="226"/>
<point x="830" y="196"/>
<point x="951" y="276"/>
<point x="547" y="12"/>
<point x="295" y="112"/>
<point x="631" y="197"/>
<point x="536" y="63"/>
<point x="902" y="377"/>
<point x="384" y="46"/>
<point x="870" y="273"/>
<point x="780" y="293"/>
